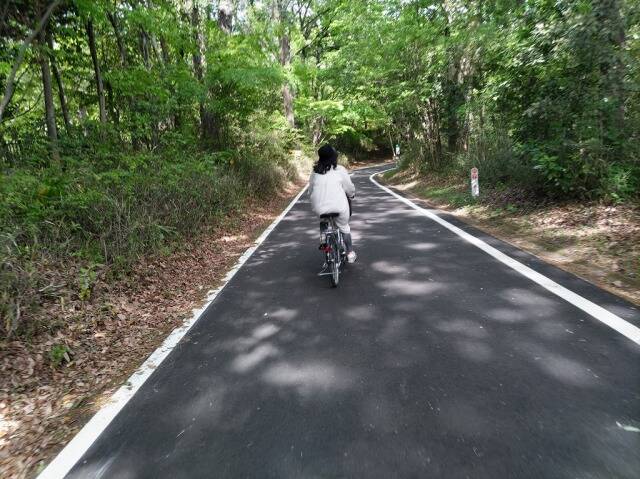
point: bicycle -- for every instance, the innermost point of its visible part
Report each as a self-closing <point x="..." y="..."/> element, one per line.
<point x="333" y="248"/>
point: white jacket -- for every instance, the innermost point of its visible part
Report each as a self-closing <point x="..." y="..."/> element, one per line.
<point x="329" y="192"/>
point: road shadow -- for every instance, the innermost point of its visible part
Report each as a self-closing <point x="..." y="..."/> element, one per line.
<point x="431" y="359"/>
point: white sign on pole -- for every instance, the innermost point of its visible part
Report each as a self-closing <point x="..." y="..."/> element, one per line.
<point x="397" y="150"/>
<point x="475" y="185"/>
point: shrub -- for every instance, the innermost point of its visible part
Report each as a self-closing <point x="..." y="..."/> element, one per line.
<point x="621" y="182"/>
<point x="96" y="215"/>
<point x="260" y="176"/>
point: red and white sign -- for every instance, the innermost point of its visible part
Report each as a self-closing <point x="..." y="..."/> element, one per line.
<point x="475" y="185"/>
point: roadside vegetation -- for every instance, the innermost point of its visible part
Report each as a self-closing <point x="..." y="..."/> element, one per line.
<point x="596" y="240"/>
<point x="128" y="126"/>
<point x="541" y="97"/>
<point x="132" y="132"/>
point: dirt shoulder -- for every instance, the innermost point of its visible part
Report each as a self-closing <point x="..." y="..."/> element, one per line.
<point x="597" y="242"/>
<point x="45" y="400"/>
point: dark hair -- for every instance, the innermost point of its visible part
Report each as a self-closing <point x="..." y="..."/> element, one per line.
<point x="327" y="159"/>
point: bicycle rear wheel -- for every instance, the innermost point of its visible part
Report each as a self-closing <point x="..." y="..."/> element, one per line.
<point x="334" y="264"/>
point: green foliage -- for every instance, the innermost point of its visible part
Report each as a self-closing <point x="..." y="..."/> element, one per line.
<point x="621" y="181"/>
<point x="59" y="354"/>
<point x="94" y="216"/>
<point x="193" y="131"/>
<point x="539" y="95"/>
<point x="86" y="279"/>
<point x="450" y="195"/>
<point x="180" y="119"/>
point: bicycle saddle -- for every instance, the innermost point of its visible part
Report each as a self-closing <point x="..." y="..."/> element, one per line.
<point x="330" y="215"/>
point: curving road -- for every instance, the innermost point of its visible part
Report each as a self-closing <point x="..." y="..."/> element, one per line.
<point x="432" y="359"/>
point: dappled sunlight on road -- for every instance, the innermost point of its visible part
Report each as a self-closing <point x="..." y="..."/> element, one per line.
<point x="427" y="346"/>
<point x="245" y="362"/>
<point x="565" y="370"/>
<point x="387" y="267"/>
<point x="405" y="287"/>
<point x="309" y="379"/>
<point x="508" y="315"/>
<point x="473" y="350"/>
<point x="422" y="246"/>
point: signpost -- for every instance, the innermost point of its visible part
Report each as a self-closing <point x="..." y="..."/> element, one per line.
<point x="475" y="186"/>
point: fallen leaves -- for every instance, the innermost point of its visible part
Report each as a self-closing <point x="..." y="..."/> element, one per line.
<point x="105" y="338"/>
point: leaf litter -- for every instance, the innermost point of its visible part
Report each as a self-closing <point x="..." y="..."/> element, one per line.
<point x="103" y="340"/>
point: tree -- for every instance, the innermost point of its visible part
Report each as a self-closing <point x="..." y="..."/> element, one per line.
<point x="59" y="83"/>
<point x="91" y="37"/>
<point x="116" y="30"/>
<point x="50" y="113"/>
<point x="207" y="120"/>
<point x="281" y="16"/>
<point x="10" y="83"/>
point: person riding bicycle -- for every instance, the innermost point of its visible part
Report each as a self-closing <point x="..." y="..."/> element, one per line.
<point x="330" y="190"/>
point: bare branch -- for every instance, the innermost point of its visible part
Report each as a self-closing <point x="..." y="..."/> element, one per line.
<point x="319" y="36"/>
<point x="8" y="93"/>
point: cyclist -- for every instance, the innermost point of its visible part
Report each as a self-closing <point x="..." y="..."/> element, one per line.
<point x="331" y="190"/>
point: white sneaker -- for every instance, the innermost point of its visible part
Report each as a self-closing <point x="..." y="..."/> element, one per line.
<point x="352" y="257"/>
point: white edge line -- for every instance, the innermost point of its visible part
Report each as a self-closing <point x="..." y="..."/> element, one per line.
<point x="75" y="449"/>
<point x="598" y="312"/>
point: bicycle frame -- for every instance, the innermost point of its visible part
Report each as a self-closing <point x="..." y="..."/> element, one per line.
<point x="332" y="239"/>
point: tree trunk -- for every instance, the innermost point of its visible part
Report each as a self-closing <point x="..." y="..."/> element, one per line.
<point x="153" y="41"/>
<point x="144" y="48"/>
<point x="144" y="42"/>
<point x="58" y="78"/>
<point x="165" y="51"/>
<point x="123" y="53"/>
<point x="207" y="127"/>
<point x="113" y="111"/>
<point x="166" y="59"/>
<point x="10" y="82"/>
<point x="318" y="125"/>
<point x="96" y="68"/>
<point x="285" y="61"/>
<point x="435" y="141"/>
<point x="454" y="99"/>
<point x="612" y="37"/>
<point x="225" y="17"/>
<point x="50" y="112"/>
<point x="287" y="99"/>
<point x="197" y="54"/>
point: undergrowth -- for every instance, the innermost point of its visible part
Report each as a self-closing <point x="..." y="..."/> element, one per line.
<point x="62" y="226"/>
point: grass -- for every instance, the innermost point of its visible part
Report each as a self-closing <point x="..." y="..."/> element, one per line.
<point x="387" y="175"/>
<point x="450" y="195"/>
<point x="62" y="230"/>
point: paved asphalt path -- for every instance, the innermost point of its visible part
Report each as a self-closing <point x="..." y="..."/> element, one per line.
<point x="430" y="360"/>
